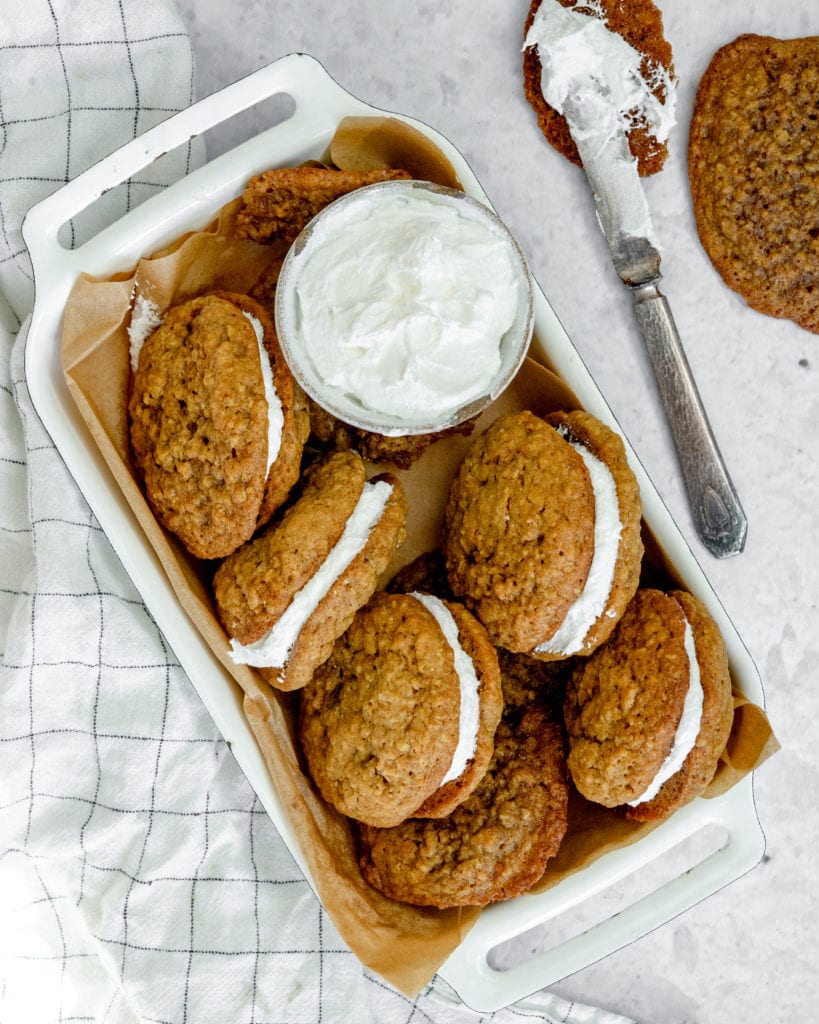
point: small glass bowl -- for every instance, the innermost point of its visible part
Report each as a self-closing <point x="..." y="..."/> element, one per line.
<point x="346" y="407"/>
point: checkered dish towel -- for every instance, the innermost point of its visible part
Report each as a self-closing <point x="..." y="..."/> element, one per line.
<point x="140" y="879"/>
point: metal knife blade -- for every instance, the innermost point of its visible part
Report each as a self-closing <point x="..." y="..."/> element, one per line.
<point x="624" y="217"/>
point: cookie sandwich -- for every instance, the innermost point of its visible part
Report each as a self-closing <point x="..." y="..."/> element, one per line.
<point x="288" y="594"/>
<point x="217" y="423"/>
<point x="493" y="846"/>
<point x="400" y="719"/>
<point x="649" y="713"/>
<point x="542" y="533"/>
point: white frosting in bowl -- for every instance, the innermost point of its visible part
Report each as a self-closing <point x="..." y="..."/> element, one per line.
<point x="404" y="307"/>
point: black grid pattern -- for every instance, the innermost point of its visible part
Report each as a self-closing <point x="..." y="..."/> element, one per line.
<point x="140" y="879"/>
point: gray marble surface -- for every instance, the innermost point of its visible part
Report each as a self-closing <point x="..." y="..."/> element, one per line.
<point x="750" y="952"/>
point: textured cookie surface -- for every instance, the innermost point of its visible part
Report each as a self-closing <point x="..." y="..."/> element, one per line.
<point x="605" y="445"/>
<point x="624" y="702"/>
<point x="752" y="158"/>
<point x="473" y="639"/>
<point x="640" y="23"/>
<point x="255" y="586"/>
<point x="717" y="716"/>
<point x="493" y="846"/>
<point x="295" y="428"/>
<point x="379" y="719"/>
<point x="277" y="204"/>
<point x="623" y="705"/>
<point x="519" y="530"/>
<point x="199" y="425"/>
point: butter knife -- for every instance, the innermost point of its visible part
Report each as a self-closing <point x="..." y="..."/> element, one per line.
<point x="622" y="211"/>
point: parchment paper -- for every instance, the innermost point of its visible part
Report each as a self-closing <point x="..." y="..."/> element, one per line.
<point x="405" y="945"/>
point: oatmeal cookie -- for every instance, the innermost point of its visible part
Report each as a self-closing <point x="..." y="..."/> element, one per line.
<point x="752" y="156"/>
<point x="286" y="596"/>
<point x="385" y="725"/>
<point x="199" y="422"/>
<point x="625" y="703"/>
<point x="541" y="533"/>
<point x="640" y="23"/>
<point x="278" y="203"/>
<point x="493" y="846"/>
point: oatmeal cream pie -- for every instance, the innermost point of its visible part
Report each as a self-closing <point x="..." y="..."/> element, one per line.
<point x="542" y="533"/>
<point x="288" y="594"/>
<point x="497" y="843"/>
<point x="400" y="719"/>
<point x="217" y="422"/>
<point x="649" y="713"/>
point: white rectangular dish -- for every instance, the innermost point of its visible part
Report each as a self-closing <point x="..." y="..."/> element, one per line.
<point x="191" y="203"/>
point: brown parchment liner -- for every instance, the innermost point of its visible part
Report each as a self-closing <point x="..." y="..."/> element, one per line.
<point x="404" y="944"/>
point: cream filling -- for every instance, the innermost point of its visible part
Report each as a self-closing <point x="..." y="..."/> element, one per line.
<point x="688" y="728"/>
<point x="403" y="303"/>
<point x="273" y="649"/>
<point x="591" y="602"/>
<point x="275" y="414"/>
<point x="469" y="716"/>
<point x="145" y="318"/>
<point x="595" y="79"/>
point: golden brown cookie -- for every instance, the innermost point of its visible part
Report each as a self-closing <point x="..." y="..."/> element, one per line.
<point x="286" y="596"/>
<point x="583" y="429"/>
<point x="278" y="203"/>
<point x="752" y="156"/>
<point x="533" y="516"/>
<point x="199" y="417"/>
<point x="530" y="682"/>
<point x="625" y="703"/>
<point x="493" y="846"/>
<point x="640" y="23"/>
<point x="384" y="724"/>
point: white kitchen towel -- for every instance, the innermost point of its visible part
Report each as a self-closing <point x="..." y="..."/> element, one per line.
<point x="140" y="879"/>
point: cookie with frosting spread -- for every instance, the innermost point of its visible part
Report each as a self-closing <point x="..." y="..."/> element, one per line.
<point x="752" y="153"/>
<point x="493" y="846"/>
<point x="542" y="533"/>
<point x="640" y="23"/>
<point x="650" y="712"/>
<point x="217" y="423"/>
<point x="400" y="718"/>
<point x="288" y="594"/>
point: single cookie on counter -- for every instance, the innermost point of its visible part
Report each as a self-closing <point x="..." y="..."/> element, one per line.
<point x="542" y="533"/>
<point x="497" y="843"/>
<point x="287" y="595"/>
<point x="217" y="422"/>
<point x="752" y="155"/>
<point x="640" y="23"/>
<point x="400" y="718"/>
<point x="649" y="713"/>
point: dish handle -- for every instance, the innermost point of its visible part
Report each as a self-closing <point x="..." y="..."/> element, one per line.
<point x="735" y="843"/>
<point x="317" y="98"/>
